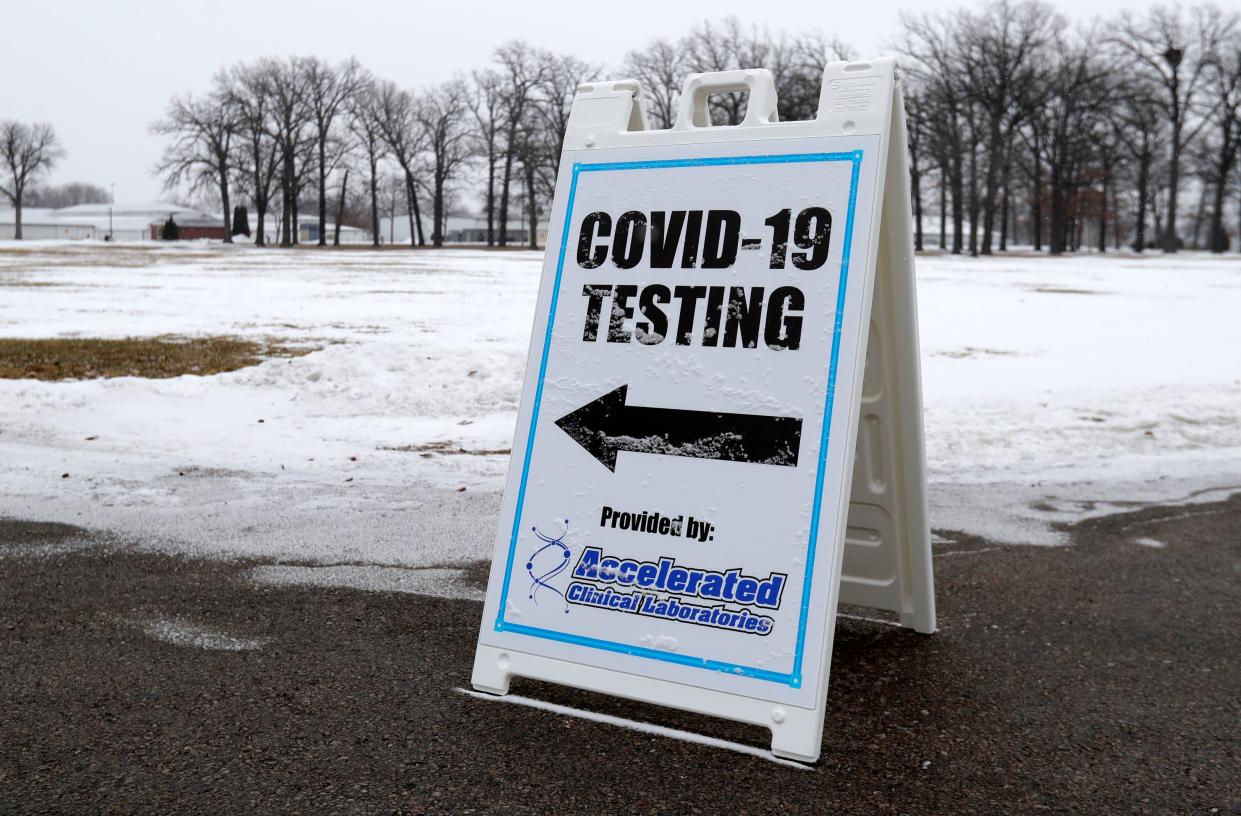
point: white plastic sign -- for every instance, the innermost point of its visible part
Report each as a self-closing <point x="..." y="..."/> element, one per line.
<point x="675" y="522"/>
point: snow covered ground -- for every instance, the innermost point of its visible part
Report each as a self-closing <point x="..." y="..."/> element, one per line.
<point x="1054" y="388"/>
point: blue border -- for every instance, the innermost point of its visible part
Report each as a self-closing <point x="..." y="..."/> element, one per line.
<point x="793" y="679"/>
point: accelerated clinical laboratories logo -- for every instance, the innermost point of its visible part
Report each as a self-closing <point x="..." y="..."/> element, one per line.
<point x="667" y="590"/>
<point x="546" y="562"/>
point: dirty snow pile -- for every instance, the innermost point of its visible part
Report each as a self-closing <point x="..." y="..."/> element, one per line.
<point x="1054" y="388"/>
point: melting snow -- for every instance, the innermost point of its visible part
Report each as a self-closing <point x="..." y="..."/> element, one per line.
<point x="1043" y="404"/>
<point x="182" y="632"/>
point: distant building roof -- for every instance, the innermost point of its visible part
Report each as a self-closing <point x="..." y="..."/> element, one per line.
<point x="313" y="221"/>
<point x="30" y="215"/>
<point x="143" y="208"/>
<point x="122" y="216"/>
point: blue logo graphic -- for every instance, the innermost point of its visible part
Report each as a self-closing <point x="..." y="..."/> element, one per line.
<point x="552" y="559"/>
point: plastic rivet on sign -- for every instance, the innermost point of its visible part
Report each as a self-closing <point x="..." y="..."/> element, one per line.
<point x="590" y="141"/>
<point x="848" y="127"/>
<point x="777" y="715"/>
<point x="502" y="661"/>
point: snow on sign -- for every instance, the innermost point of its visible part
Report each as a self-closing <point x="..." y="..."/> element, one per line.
<point x="684" y="509"/>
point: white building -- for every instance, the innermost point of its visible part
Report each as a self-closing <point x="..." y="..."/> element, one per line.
<point x="123" y="222"/>
<point x="142" y="222"/>
<point x="307" y="230"/>
<point x="38" y="224"/>
<point x="461" y="229"/>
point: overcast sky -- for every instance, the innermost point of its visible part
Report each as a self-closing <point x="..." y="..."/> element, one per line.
<point x="100" y="71"/>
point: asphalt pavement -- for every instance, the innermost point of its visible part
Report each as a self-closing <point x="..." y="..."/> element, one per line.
<point x="1097" y="678"/>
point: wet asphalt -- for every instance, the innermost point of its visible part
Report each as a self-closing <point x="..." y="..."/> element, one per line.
<point x="1097" y="678"/>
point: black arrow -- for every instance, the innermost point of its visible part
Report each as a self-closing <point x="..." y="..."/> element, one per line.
<point x="607" y="425"/>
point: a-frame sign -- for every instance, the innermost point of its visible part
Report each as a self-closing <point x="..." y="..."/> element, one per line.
<point x="720" y="432"/>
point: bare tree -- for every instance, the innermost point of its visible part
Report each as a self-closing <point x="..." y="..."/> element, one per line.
<point x="1224" y="146"/>
<point x="799" y="79"/>
<point x="305" y="165"/>
<point x="201" y="148"/>
<point x="523" y="69"/>
<point x="930" y="45"/>
<point x="1138" y="118"/>
<point x="289" y="124"/>
<point x="529" y="149"/>
<point x="918" y="122"/>
<point x="724" y="47"/>
<point x="392" y="194"/>
<point x="1075" y="99"/>
<point x="67" y="195"/>
<point x="712" y="47"/>
<point x="487" y="105"/>
<point x="328" y="90"/>
<point x="258" y="157"/>
<point x="1014" y="125"/>
<point x="442" y="116"/>
<point x="554" y="102"/>
<point x="365" y="120"/>
<point x="342" y="203"/>
<point x="27" y="152"/>
<point x="1000" y="47"/>
<point x="815" y="51"/>
<point x="660" y="70"/>
<point x="1174" y="53"/>
<point x="397" y="117"/>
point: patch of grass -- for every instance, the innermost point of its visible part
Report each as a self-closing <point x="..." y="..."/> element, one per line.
<point x="153" y="357"/>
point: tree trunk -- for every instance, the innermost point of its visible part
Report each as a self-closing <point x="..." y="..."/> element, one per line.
<point x="943" y="206"/>
<point x="416" y="236"/>
<point x="19" y="193"/>
<point x="437" y="206"/>
<point x="1158" y="218"/>
<point x="260" y="208"/>
<point x="1115" y="213"/>
<point x="286" y="195"/>
<point x="991" y="182"/>
<point x="915" y="184"/>
<point x="1174" y="186"/>
<point x="1199" y="214"/>
<point x="532" y="210"/>
<point x="502" y="241"/>
<point x="228" y="209"/>
<point x="974" y="203"/>
<point x="1004" y="213"/>
<point x="260" y="239"/>
<point x="340" y="208"/>
<point x="1139" y="227"/>
<point x="1036" y="203"/>
<point x="958" y="206"/>
<point x="374" y="205"/>
<point x="1103" y="220"/>
<point x="297" y="225"/>
<point x="322" y="189"/>
<point x="506" y="179"/>
<point x="1059" y="222"/>
<point x="491" y="199"/>
<point x="1217" y="236"/>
